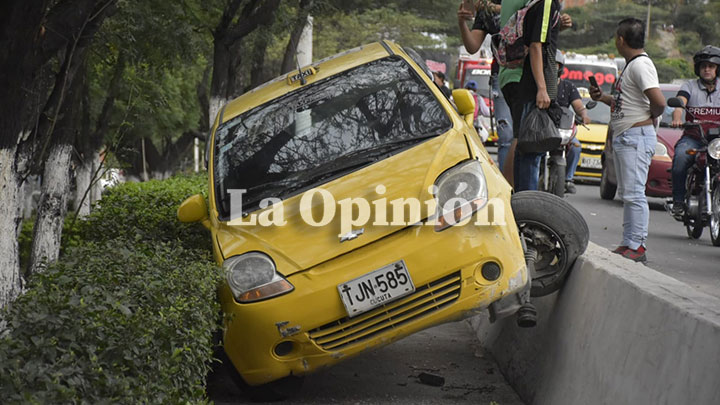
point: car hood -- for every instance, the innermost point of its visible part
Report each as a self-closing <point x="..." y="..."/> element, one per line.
<point x="299" y="246"/>
<point x="595" y="133"/>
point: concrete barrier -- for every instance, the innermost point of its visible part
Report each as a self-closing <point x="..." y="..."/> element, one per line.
<point x="617" y="333"/>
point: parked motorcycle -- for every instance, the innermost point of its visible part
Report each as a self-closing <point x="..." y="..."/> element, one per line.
<point x="702" y="185"/>
<point x="553" y="165"/>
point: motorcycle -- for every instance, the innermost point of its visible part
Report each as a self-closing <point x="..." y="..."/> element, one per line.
<point x="702" y="184"/>
<point x="553" y="164"/>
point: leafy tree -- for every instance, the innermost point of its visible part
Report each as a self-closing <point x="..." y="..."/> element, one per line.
<point x="40" y="39"/>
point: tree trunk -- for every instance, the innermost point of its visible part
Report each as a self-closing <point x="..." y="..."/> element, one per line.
<point x="227" y="38"/>
<point x="288" y="62"/>
<point x="96" y="190"/>
<point x="56" y="178"/>
<point x="83" y="179"/>
<point x="52" y="208"/>
<point x="10" y="282"/>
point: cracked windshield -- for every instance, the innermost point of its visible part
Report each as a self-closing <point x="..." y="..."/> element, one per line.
<point x="324" y="131"/>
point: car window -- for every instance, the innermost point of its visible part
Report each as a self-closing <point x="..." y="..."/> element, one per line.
<point x="291" y="143"/>
<point x="412" y="53"/>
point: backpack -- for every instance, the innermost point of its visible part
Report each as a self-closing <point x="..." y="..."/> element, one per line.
<point x="508" y="45"/>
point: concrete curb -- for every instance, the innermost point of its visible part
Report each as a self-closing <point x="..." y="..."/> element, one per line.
<point x="617" y="333"/>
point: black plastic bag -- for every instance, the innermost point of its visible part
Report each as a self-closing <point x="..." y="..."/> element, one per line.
<point x="538" y="132"/>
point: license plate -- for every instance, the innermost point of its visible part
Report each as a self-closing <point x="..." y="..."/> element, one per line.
<point x="376" y="288"/>
<point x="591" y="162"/>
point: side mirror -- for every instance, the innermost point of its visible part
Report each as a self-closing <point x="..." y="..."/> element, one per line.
<point x="194" y="209"/>
<point x="591" y="104"/>
<point x="465" y="103"/>
<point x="675" y="102"/>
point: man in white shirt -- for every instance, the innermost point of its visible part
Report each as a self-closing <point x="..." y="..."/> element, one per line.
<point x="635" y="104"/>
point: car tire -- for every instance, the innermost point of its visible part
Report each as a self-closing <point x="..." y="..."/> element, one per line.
<point x="556" y="230"/>
<point x="715" y="216"/>
<point x="273" y="391"/>
<point x="607" y="189"/>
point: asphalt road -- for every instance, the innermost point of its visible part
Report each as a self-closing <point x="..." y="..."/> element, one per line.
<point x="390" y="375"/>
<point x="670" y="251"/>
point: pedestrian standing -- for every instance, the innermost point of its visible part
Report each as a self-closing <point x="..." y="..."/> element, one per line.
<point x="487" y="21"/>
<point x="538" y="83"/>
<point x="533" y="83"/>
<point x="439" y="79"/>
<point x="636" y="104"/>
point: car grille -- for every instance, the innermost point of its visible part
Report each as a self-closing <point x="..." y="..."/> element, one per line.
<point x="425" y="300"/>
<point x="591" y="148"/>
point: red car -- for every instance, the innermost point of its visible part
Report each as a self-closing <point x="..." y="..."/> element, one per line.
<point x="659" y="179"/>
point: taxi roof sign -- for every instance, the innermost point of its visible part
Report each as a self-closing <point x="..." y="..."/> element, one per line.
<point x="303" y="73"/>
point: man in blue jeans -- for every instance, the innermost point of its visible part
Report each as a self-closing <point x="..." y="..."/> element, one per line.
<point x="636" y="103"/>
<point x="703" y="100"/>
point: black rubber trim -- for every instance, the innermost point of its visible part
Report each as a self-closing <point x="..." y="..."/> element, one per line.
<point x="222" y="113"/>
<point x="387" y="47"/>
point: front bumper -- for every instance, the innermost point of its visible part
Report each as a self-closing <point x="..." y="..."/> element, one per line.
<point x="590" y="163"/>
<point x="659" y="182"/>
<point x="311" y="324"/>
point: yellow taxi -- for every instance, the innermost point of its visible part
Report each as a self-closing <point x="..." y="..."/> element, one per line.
<point x="592" y="139"/>
<point x="352" y="204"/>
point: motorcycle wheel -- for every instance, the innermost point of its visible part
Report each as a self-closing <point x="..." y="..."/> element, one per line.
<point x="607" y="190"/>
<point x="694" y="231"/>
<point x="715" y="217"/>
<point x="556" y="230"/>
<point x="557" y="180"/>
<point x="542" y="185"/>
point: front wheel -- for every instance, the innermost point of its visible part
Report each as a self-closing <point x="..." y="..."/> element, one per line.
<point x="715" y="216"/>
<point x="557" y="179"/>
<point x="694" y="231"/>
<point x="556" y="230"/>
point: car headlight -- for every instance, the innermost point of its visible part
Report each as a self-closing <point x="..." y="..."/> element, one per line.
<point x="714" y="149"/>
<point x="253" y="277"/>
<point x="460" y="192"/>
<point x="661" y="149"/>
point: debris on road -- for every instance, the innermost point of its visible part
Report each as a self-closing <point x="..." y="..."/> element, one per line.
<point x="432" y="379"/>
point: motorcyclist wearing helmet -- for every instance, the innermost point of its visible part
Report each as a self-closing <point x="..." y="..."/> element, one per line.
<point x="567" y="96"/>
<point x="702" y="99"/>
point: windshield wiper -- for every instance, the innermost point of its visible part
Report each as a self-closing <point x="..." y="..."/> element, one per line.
<point x="379" y="150"/>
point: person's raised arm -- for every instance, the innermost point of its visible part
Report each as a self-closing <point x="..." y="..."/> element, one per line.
<point x="580" y="110"/>
<point x="598" y="95"/>
<point x="677" y="114"/>
<point x="472" y="39"/>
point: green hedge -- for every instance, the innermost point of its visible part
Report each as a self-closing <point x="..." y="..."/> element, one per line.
<point x="125" y="316"/>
